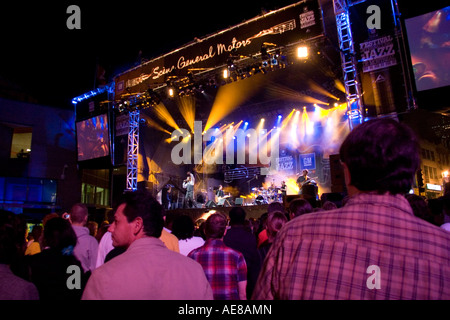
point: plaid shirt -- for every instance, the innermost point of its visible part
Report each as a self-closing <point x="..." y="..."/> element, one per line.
<point x="327" y="255"/>
<point x="223" y="266"/>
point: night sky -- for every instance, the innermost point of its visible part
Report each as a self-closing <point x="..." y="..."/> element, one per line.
<point x="54" y="64"/>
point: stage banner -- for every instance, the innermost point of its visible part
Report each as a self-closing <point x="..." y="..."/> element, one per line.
<point x="307" y="161"/>
<point x="296" y="22"/>
<point x="374" y="30"/>
<point x="285" y="163"/>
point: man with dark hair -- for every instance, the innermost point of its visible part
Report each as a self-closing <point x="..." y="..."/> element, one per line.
<point x="86" y="249"/>
<point x="298" y="207"/>
<point x="373" y="247"/>
<point x="240" y="239"/>
<point x="224" y="267"/>
<point x="147" y="270"/>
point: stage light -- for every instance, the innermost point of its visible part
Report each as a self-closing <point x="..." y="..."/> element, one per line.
<point x="171" y="92"/>
<point x="225" y="73"/>
<point x="280" y="116"/>
<point x="246" y="123"/>
<point x="302" y="52"/>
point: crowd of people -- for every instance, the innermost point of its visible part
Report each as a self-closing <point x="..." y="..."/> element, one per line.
<point x="381" y="243"/>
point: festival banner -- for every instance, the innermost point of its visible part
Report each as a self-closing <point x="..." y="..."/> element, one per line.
<point x="374" y="30"/>
<point x="300" y="21"/>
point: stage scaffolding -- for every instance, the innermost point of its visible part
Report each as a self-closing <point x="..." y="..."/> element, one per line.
<point x="348" y="60"/>
<point x="133" y="150"/>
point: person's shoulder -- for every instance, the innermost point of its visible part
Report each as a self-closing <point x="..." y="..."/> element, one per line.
<point x="231" y="251"/>
<point x="194" y="252"/>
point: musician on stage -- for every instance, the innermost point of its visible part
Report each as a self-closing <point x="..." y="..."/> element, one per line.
<point x="188" y="184"/>
<point x="219" y="192"/>
<point x="283" y="188"/>
<point x="303" y="179"/>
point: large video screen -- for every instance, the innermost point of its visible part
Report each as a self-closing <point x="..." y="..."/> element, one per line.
<point x="93" y="138"/>
<point x="429" y="43"/>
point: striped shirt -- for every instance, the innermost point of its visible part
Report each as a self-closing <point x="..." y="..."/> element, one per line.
<point x="373" y="248"/>
<point x="223" y="266"/>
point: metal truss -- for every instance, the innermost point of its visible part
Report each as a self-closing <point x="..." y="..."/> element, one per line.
<point x="348" y="60"/>
<point x="133" y="150"/>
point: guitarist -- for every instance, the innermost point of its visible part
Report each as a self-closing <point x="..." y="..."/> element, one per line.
<point x="220" y="194"/>
<point x="303" y="179"/>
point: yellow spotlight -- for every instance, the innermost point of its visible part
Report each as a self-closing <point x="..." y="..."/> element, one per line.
<point x="171" y="92"/>
<point x="302" y="52"/>
<point x="225" y="73"/>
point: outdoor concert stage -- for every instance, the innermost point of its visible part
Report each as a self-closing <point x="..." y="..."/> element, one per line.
<point x="253" y="211"/>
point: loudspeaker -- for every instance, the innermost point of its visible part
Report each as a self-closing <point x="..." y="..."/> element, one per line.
<point x="337" y="174"/>
<point x="223" y="203"/>
<point x="210" y="204"/>
<point x="334" y="197"/>
<point x="239" y="201"/>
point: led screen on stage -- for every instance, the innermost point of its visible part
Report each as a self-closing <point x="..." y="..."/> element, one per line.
<point x="429" y="44"/>
<point x="93" y="138"/>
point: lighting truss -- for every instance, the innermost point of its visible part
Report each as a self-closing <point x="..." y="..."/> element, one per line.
<point x="133" y="150"/>
<point x="348" y="62"/>
<point x="93" y="93"/>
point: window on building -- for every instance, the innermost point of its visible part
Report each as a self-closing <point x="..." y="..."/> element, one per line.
<point x="95" y="187"/>
<point x="21" y="142"/>
<point x="425" y="173"/>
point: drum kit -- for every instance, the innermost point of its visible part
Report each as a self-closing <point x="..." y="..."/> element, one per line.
<point x="266" y="196"/>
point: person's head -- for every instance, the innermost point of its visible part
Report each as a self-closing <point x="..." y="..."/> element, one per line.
<point x="59" y="235"/>
<point x="215" y="226"/>
<point x="420" y="207"/>
<point x="237" y="216"/>
<point x="93" y="228"/>
<point x="37" y="232"/>
<point x="305" y="172"/>
<point x="12" y="236"/>
<point x="328" y="205"/>
<point x="79" y="214"/>
<point x="275" y="206"/>
<point x="380" y="155"/>
<point x="275" y="221"/>
<point x="137" y="214"/>
<point x="298" y="207"/>
<point x="183" y="227"/>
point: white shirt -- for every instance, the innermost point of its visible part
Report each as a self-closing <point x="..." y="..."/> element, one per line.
<point x="104" y="247"/>
<point x="187" y="245"/>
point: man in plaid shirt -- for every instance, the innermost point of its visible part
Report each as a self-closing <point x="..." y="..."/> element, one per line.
<point x="224" y="267"/>
<point x="372" y="248"/>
